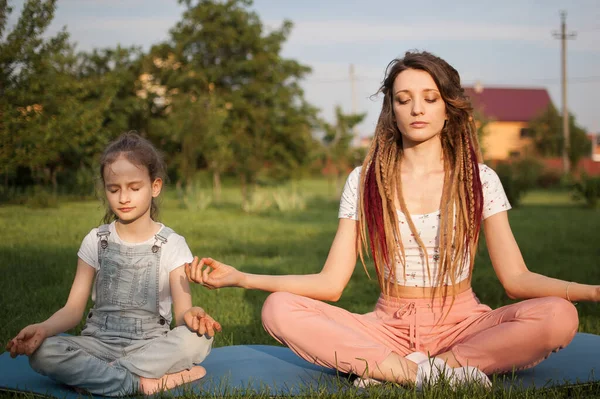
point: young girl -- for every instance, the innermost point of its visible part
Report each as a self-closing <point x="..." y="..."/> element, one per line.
<point x="126" y="345"/>
<point x="418" y="202"/>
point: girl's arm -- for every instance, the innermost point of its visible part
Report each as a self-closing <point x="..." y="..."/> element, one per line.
<point x="325" y="285"/>
<point x="517" y="280"/>
<point x="183" y="312"/>
<point x="31" y="337"/>
<point x="180" y="292"/>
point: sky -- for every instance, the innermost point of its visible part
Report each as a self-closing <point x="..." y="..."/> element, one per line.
<point x="497" y="43"/>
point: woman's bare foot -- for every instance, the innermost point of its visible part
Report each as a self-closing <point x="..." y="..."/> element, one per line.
<point x="152" y="385"/>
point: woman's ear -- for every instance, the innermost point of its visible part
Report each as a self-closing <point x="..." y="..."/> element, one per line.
<point x="156" y="187"/>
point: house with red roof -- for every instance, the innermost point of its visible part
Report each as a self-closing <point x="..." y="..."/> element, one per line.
<point x="508" y="111"/>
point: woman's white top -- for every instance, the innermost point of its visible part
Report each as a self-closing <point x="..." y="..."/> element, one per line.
<point x="428" y="228"/>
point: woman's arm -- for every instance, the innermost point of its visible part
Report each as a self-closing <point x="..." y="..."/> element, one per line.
<point x="517" y="280"/>
<point x="325" y="285"/>
<point x="32" y="336"/>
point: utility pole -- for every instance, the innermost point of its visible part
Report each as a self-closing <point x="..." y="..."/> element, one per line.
<point x="563" y="36"/>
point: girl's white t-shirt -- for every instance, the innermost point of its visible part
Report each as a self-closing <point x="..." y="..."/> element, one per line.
<point x="174" y="253"/>
<point x="428" y="226"/>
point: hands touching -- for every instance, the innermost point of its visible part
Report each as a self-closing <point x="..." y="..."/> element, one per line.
<point x="213" y="274"/>
<point x="27" y="340"/>
<point x="200" y="321"/>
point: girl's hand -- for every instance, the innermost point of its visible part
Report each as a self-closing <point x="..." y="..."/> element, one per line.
<point x="213" y="274"/>
<point x="198" y="320"/>
<point x="27" y="341"/>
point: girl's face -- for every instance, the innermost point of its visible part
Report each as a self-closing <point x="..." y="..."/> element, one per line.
<point x="419" y="110"/>
<point x="129" y="190"/>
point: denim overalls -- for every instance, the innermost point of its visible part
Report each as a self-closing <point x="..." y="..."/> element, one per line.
<point x="124" y="337"/>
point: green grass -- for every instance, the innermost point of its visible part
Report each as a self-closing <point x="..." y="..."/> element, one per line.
<point x="38" y="254"/>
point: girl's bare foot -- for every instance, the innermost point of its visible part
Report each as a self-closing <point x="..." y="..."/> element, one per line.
<point x="152" y="385"/>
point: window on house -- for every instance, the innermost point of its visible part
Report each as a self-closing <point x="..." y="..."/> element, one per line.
<point x="514" y="154"/>
<point x="525" y="132"/>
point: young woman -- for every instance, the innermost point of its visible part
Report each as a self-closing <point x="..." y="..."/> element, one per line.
<point x="126" y="345"/>
<point x="417" y="203"/>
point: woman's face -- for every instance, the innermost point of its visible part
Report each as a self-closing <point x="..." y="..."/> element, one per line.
<point x="419" y="110"/>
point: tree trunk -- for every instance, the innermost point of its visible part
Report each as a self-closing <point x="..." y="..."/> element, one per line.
<point x="244" y="188"/>
<point x="217" y="186"/>
<point x="53" y="179"/>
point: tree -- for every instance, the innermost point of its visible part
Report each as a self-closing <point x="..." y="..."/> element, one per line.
<point x="481" y="123"/>
<point x="339" y="154"/>
<point x="546" y="133"/>
<point x="24" y="56"/>
<point x="58" y="108"/>
<point x="268" y="124"/>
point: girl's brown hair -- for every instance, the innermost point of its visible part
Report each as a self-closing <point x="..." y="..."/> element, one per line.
<point x="462" y="197"/>
<point x="138" y="151"/>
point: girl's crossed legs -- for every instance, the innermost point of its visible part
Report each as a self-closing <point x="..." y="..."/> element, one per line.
<point x="116" y="367"/>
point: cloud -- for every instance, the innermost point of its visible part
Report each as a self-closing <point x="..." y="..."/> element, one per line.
<point x="327" y="33"/>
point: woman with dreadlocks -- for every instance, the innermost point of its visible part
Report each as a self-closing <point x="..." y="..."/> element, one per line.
<point x="417" y="203"/>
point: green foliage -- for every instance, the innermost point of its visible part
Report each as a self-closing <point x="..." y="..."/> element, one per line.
<point x="216" y="95"/>
<point x="260" y="201"/>
<point x="547" y="136"/>
<point x="338" y="153"/>
<point x="588" y="188"/>
<point x="481" y="122"/>
<point x="289" y="200"/>
<point x="550" y="178"/>
<point x="518" y="177"/>
<point x="42" y="198"/>
<point x="58" y="108"/>
<point x="234" y="103"/>
<point x="194" y="198"/>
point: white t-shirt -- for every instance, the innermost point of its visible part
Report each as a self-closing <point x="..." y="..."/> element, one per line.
<point x="174" y="253"/>
<point x="428" y="228"/>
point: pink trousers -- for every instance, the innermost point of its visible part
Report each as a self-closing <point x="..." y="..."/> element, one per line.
<point x="509" y="338"/>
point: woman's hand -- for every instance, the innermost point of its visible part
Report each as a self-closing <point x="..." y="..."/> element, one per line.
<point x="27" y="340"/>
<point x="201" y="322"/>
<point x="213" y="274"/>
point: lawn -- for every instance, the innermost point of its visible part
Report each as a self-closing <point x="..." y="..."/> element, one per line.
<point x="38" y="254"/>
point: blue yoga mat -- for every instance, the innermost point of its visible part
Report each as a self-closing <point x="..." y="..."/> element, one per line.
<point x="278" y="371"/>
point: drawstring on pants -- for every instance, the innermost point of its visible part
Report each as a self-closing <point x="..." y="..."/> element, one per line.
<point x="407" y="310"/>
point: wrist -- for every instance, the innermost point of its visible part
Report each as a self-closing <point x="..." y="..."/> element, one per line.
<point x="244" y="281"/>
<point x="596" y="294"/>
<point x="43" y="330"/>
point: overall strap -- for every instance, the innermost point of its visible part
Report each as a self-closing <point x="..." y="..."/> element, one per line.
<point x="102" y="234"/>
<point x="161" y="238"/>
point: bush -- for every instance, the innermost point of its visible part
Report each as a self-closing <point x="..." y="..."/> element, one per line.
<point x="518" y="177"/>
<point x="194" y="198"/>
<point x="42" y="198"/>
<point x="550" y="178"/>
<point x="588" y="188"/>
<point x="289" y="200"/>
